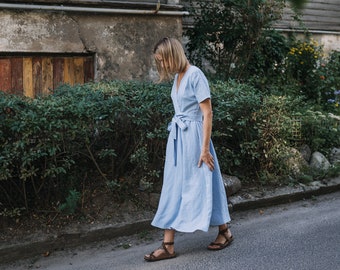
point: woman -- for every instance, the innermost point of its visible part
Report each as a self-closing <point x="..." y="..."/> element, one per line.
<point x="193" y="195"/>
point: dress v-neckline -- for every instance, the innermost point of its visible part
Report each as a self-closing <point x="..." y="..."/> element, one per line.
<point x="178" y="83"/>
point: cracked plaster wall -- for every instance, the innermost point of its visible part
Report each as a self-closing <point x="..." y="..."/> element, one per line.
<point x="122" y="44"/>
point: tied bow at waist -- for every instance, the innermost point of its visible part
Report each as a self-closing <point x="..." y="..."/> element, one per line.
<point x="180" y="121"/>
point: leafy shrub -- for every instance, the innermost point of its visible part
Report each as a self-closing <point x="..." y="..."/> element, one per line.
<point x="303" y="57"/>
<point x="61" y="142"/>
<point x="226" y="34"/>
<point x="234" y="135"/>
<point x="112" y="136"/>
<point x="266" y="65"/>
<point x="303" y="61"/>
<point x="320" y="131"/>
<point x="70" y="205"/>
<point x="253" y="133"/>
<point x="274" y="126"/>
<point x="336" y="101"/>
<point x="330" y="74"/>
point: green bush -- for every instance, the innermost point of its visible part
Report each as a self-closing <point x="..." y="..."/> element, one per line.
<point x="266" y="64"/>
<point x="71" y="202"/>
<point x="329" y="73"/>
<point x="253" y="132"/>
<point x="228" y="34"/>
<point x="320" y="131"/>
<point x="84" y="135"/>
<point x="112" y="136"/>
<point x="303" y="61"/>
<point x="253" y="137"/>
<point x="235" y="106"/>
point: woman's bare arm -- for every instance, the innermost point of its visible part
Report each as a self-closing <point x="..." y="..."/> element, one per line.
<point x="206" y="156"/>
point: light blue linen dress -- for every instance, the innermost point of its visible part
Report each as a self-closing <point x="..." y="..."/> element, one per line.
<point x="192" y="197"/>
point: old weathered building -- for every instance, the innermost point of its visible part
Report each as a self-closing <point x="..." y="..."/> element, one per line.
<point x="47" y="42"/>
<point x="321" y="18"/>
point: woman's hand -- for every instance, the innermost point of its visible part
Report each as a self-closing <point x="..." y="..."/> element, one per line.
<point x="208" y="159"/>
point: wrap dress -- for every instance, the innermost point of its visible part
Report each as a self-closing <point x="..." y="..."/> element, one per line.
<point x="192" y="198"/>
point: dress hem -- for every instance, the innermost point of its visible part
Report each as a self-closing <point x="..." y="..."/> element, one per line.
<point x="191" y="231"/>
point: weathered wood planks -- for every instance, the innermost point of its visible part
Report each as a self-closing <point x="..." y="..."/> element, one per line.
<point x="38" y="75"/>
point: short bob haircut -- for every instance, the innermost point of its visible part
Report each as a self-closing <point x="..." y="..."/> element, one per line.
<point x="171" y="52"/>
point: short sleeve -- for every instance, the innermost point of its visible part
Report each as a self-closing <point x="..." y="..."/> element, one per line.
<point x="200" y="86"/>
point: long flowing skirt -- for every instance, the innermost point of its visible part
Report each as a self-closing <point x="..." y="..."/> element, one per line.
<point x="192" y="198"/>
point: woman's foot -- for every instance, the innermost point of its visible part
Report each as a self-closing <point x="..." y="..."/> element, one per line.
<point x="166" y="251"/>
<point x="224" y="239"/>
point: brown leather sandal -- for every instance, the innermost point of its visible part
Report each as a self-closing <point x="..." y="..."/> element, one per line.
<point x="162" y="256"/>
<point x="220" y="246"/>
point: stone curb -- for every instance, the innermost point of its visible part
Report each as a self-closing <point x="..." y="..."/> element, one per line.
<point x="283" y="195"/>
<point x="69" y="240"/>
<point x="246" y="201"/>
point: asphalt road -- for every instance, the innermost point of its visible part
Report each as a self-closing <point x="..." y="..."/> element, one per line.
<point x="296" y="236"/>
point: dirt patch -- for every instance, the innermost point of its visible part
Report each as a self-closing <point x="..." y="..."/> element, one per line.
<point x="99" y="209"/>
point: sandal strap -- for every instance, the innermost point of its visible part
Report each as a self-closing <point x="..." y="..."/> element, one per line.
<point x="216" y="244"/>
<point x="164" y="244"/>
<point x="222" y="232"/>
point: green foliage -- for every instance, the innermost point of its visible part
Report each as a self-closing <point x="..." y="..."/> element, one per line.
<point x="11" y="213"/>
<point x="320" y="131"/>
<point x="226" y="33"/>
<point x="71" y="203"/>
<point x="267" y="63"/>
<point x="329" y="84"/>
<point x="145" y="235"/>
<point x="336" y="101"/>
<point x="303" y="61"/>
<point x="309" y="74"/>
<point x="298" y="4"/>
<point x="253" y="133"/>
<point x="112" y="135"/>
<point x="102" y="131"/>
<point x="303" y="58"/>
<point x="234" y="134"/>
<point x="334" y="171"/>
<point x="273" y="122"/>
<point x="290" y="87"/>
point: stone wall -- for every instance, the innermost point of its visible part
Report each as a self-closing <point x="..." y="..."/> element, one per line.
<point x="122" y="43"/>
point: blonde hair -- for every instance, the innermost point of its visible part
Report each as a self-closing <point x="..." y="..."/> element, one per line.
<point x="172" y="54"/>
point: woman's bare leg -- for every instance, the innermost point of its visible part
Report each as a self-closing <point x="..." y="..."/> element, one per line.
<point x="169" y="237"/>
<point x="223" y="239"/>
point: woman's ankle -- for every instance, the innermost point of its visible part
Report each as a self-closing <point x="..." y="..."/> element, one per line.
<point x="223" y="227"/>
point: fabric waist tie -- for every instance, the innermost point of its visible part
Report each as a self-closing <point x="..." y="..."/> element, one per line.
<point x="178" y="121"/>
